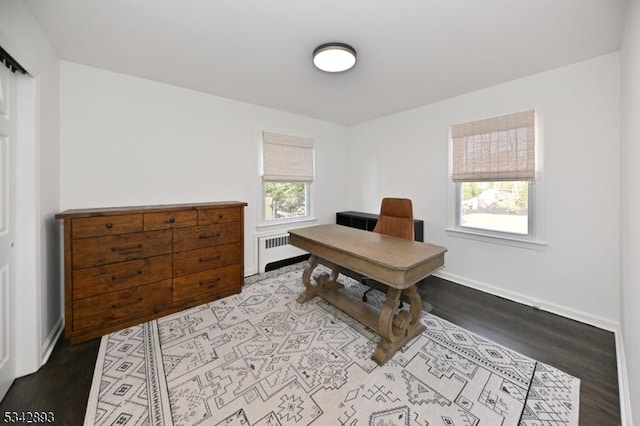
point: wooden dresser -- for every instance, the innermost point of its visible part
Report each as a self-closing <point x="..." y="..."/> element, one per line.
<point x="125" y="266"/>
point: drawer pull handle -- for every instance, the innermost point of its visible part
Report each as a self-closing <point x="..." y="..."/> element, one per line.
<point x="127" y="248"/>
<point x="209" y="283"/>
<point x="204" y="237"/>
<point x="123" y="277"/>
<point x="109" y="225"/>
<point x="172" y="220"/>
<point x="208" y="259"/>
<point x="220" y="215"/>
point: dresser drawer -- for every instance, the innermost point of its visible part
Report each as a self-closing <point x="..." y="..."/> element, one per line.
<point x="187" y="262"/>
<point x="206" y="236"/>
<point x="106" y="309"/>
<point x="169" y="220"/>
<point x="106" y="225"/>
<point x="89" y="252"/>
<point x="219" y="215"/>
<point x="90" y="282"/>
<point x="215" y="282"/>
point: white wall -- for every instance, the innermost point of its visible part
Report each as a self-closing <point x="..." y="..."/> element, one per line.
<point x="129" y="141"/>
<point x="577" y="273"/>
<point x="630" y="197"/>
<point x="39" y="289"/>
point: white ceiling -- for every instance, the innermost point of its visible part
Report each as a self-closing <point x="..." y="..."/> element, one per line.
<point x="410" y="52"/>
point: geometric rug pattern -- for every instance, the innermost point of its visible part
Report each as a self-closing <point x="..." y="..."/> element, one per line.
<point x="261" y="358"/>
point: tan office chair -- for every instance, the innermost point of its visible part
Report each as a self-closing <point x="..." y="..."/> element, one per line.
<point x="395" y="219"/>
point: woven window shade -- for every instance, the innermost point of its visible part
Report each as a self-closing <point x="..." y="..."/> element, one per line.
<point x="495" y="149"/>
<point x="287" y="158"/>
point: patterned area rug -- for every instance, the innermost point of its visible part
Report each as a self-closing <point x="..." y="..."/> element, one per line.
<point x="261" y="358"/>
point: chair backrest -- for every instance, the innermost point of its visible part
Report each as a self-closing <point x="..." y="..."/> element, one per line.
<point x="396" y="218"/>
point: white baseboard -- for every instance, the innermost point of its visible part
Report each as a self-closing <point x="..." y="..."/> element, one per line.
<point x="623" y="381"/>
<point x="543" y="305"/>
<point x="50" y="342"/>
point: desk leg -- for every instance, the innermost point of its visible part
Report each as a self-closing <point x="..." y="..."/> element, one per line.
<point x="398" y="328"/>
<point x="324" y="283"/>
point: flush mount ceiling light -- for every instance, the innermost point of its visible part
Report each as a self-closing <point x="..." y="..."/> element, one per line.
<point x="334" y="57"/>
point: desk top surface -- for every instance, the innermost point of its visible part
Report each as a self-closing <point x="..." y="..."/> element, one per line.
<point x="396" y="253"/>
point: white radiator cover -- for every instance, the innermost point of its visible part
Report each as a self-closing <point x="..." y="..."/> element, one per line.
<point x="273" y="248"/>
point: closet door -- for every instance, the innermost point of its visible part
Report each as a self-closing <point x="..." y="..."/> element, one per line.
<point x="7" y="224"/>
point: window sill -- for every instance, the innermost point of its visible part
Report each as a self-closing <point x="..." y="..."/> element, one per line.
<point x="287" y="223"/>
<point x="498" y="239"/>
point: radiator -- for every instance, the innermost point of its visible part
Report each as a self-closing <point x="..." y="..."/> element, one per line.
<point x="273" y="248"/>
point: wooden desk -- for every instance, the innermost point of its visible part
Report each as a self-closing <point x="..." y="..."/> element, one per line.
<point x="396" y="262"/>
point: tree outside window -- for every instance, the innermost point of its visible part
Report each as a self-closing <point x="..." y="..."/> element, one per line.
<point x="285" y="200"/>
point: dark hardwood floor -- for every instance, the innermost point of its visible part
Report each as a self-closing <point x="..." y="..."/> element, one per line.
<point x="62" y="385"/>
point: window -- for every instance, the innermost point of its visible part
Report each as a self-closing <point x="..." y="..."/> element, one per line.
<point x="283" y="200"/>
<point x="494" y="172"/>
<point x="495" y="206"/>
<point x="287" y="163"/>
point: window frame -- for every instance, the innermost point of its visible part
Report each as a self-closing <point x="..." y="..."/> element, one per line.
<point x="290" y="175"/>
<point x="536" y="238"/>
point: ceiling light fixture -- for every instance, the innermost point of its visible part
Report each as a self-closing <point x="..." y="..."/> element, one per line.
<point x="334" y="57"/>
